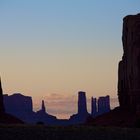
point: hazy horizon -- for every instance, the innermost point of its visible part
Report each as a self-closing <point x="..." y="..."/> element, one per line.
<point x="63" y="106"/>
<point x="61" y="47"/>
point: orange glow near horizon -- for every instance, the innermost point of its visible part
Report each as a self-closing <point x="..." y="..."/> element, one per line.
<point x="61" y="47"/>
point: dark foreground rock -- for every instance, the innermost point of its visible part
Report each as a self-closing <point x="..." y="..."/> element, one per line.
<point x="129" y="67"/>
<point x="4" y="117"/>
<point x="116" y="118"/>
<point x="9" y="119"/>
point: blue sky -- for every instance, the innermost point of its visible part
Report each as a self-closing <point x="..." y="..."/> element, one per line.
<point x="62" y="46"/>
<point x="63" y="20"/>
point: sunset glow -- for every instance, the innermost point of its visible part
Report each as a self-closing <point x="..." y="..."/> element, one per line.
<point x="51" y="49"/>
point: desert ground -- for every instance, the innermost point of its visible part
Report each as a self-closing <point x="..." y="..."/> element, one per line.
<point x="41" y="132"/>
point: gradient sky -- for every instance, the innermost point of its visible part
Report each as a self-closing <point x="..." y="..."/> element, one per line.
<point x="58" y="47"/>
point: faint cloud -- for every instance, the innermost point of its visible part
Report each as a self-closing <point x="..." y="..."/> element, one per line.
<point x="63" y="106"/>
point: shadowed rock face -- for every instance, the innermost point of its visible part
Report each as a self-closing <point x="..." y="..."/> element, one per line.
<point x="103" y="105"/>
<point x="93" y="107"/>
<point x="17" y="103"/>
<point x="100" y="106"/>
<point x="43" y="106"/>
<point x="2" y="109"/>
<point x="82" y="113"/>
<point x="4" y="117"/>
<point x="19" y="106"/>
<point x="129" y="67"/>
<point x="82" y="103"/>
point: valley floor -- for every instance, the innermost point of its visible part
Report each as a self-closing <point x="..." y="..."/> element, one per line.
<point x="36" y="132"/>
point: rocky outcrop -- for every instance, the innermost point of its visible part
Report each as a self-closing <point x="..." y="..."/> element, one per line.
<point x="43" y="106"/>
<point x="44" y="117"/>
<point x="6" y="118"/>
<point x="82" y="103"/>
<point x="82" y="113"/>
<point x="2" y="109"/>
<point x="94" y="107"/>
<point x="17" y="103"/>
<point x="103" y="105"/>
<point x="100" y="106"/>
<point x="20" y="106"/>
<point x="116" y="117"/>
<point x="129" y="67"/>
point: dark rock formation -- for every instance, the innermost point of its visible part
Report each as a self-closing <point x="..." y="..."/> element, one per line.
<point x="128" y="114"/>
<point x="82" y="103"/>
<point x="43" y="106"/>
<point x="100" y="106"/>
<point x="115" y="117"/>
<point x="2" y="109"/>
<point x="129" y="67"/>
<point x="4" y="117"/>
<point x="103" y="105"/>
<point x="18" y="103"/>
<point x="20" y="106"/>
<point x="93" y="107"/>
<point x="82" y="114"/>
<point x="43" y="116"/>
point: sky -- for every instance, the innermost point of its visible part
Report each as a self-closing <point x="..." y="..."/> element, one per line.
<point x="51" y="49"/>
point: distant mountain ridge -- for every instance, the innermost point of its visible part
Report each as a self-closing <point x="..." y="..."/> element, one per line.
<point x="22" y="107"/>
